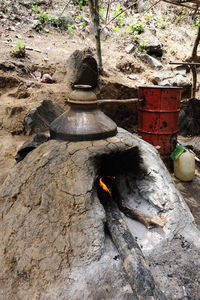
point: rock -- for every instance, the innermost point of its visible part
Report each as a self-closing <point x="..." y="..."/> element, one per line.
<point x="189" y="121"/>
<point x="152" y="45"/>
<point x="105" y="33"/>
<point x="151" y="61"/>
<point x="6" y="66"/>
<point x="82" y="68"/>
<point x="30" y="145"/>
<point x="181" y="80"/>
<point x="46" y="78"/>
<point x="39" y="118"/>
<point x="173" y="78"/>
<point x="142" y="5"/>
<point x="52" y="240"/>
<point x="129" y="49"/>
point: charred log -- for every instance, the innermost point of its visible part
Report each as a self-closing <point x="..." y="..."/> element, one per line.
<point x="139" y="274"/>
<point x="130" y="212"/>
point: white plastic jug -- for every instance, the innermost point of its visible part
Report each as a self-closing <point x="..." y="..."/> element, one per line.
<point x="184" y="166"/>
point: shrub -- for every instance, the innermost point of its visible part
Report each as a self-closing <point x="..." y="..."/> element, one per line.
<point x="137" y="28"/>
<point x="19" y="50"/>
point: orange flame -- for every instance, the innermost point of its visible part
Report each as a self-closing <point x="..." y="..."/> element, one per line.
<point x="104" y="187"/>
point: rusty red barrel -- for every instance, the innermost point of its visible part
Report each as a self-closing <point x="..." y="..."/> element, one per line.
<point x="158" y="114"/>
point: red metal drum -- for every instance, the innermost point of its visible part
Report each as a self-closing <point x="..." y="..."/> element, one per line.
<point x="158" y="114"/>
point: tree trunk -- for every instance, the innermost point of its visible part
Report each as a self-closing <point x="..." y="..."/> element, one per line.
<point x="196" y="44"/>
<point x="194" y="75"/>
<point x="94" y="12"/>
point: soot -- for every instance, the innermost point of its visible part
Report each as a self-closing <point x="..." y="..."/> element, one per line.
<point x="120" y="163"/>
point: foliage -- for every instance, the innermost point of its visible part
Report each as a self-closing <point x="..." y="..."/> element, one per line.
<point x="197" y="23"/>
<point x="148" y="16"/>
<point x="19" y="50"/>
<point x="119" y="18"/>
<point x="70" y="29"/>
<point x="80" y="3"/>
<point x="43" y="18"/>
<point x="142" y="46"/>
<point x="180" y="13"/>
<point x="173" y="51"/>
<point x="35" y="8"/>
<point x="137" y="28"/>
<point x="161" y="22"/>
<point x="60" y="22"/>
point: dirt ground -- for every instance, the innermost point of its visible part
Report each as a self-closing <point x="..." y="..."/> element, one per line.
<point x="177" y="267"/>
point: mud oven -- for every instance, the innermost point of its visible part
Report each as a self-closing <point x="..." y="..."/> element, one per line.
<point x="58" y="196"/>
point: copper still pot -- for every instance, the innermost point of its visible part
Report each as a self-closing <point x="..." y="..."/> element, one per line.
<point x="83" y="121"/>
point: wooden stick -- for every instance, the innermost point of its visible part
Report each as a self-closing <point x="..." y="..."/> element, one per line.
<point x="179" y="4"/>
<point x="185" y="63"/>
<point x="118" y="101"/>
<point x="194" y="75"/>
<point x="138" y="271"/>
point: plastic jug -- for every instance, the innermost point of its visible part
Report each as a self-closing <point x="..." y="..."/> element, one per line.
<point x="184" y="165"/>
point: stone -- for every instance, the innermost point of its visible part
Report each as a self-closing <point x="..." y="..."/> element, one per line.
<point x="152" y="45"/>
<point x="142" y="5"/>
<point x="151" y="61"/>
<point x="174" y="78"/>
<point x="82" y="68"/>
<point x="129" y="49"/>
<point x="189" y="122"/>
<point x="52" y="240"/>
<point x="30" y="145"/>
<point x="39" y="118"/>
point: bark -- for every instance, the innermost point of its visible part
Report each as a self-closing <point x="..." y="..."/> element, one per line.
<point x="194" y="75"/>
<point x="94" y="12"/>
<point x="196" y="44"/>
<point x="139" y="274"/>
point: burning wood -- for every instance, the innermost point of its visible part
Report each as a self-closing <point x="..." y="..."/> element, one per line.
<point x="130" y="212"/>
<point x="138" y="271"/>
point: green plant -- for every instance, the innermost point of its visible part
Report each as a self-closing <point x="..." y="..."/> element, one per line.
<point x="161" y="22"/>
<point x="173" y="51"/>
<point x="43" y="18"/>
<point x="137" y="28"/>
<point x="119" y="19"/>
<point x="60" y="22"/>
<point x="148" y="16"/>
<point x="116" y="28"/>
<point x="197" y="23"/>
<point x="72" y="83"/>
<point x="70" y="29"/>
<point x="19" y="50"/>
<point x="36" y="8"/>
<point x="80" y="3"/>
<point x="180" y="13"/>
<point x="38" y="26"/>
<point x="142" y="46"/>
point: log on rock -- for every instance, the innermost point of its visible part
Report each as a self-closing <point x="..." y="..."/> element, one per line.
<point x="140" y="277"/>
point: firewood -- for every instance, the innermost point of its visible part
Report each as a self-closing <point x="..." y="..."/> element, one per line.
<point x="138" y="271"/>
<point x="132" y="213"/>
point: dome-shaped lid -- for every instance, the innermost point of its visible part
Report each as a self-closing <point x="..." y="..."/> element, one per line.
<point x="82" y="95"/>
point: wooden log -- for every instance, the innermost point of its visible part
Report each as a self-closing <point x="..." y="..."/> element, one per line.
<point x="130" y="212"/>
<point x="139" y="274"/>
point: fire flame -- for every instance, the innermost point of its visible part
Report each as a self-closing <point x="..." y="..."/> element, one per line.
<point x="104" y="187"/>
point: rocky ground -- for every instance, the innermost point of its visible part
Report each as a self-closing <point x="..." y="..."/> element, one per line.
<point x="169" y="29"/>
